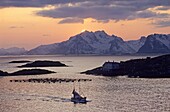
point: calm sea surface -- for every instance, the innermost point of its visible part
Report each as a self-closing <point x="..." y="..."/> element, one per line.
<point x="106" y="94"/>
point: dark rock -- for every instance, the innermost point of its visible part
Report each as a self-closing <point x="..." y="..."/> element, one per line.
<point x="21" y="61"/>
<point x="49" y="80"/>
<point x="3" y="73"/>
<point x="100" y="71"/>
<point x="31" y="72"/>
<point x="44" y="64"/>
<point x="158" y="67"/>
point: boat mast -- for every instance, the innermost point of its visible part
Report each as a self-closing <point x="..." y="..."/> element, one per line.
<point x="80" y="88"/>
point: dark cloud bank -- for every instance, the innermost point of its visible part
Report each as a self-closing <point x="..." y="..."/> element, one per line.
<point x="75" y="11"/>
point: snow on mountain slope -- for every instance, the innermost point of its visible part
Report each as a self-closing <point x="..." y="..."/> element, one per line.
<point x="165" y="39"/>
<point x="98" y="40"/>
<point x="101" y="43"/>
<point x="119" y="46"/>
<point x="137" y="44"/>
<point x="156" y="43"/>
<point x="12" y="51"/>
<point x="43" y="49"/>
<point x="87" y="43"/>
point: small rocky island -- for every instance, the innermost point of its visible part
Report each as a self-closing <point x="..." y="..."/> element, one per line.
<point x="157" y="67"/>
<point x="28" y="64"/>
<point x="31" y="72"/>
<point x="27" y="72"/>
<point x="44" y="64"/>
<point x="20" y="61"/>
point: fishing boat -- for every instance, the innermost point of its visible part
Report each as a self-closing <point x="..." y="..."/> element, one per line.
<point x="77" y="98"/>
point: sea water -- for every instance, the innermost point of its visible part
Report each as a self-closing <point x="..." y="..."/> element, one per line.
<point x="107" y="94"/>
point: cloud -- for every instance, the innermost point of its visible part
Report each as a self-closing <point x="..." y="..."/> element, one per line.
<point x="14" y="27"/>
<point x="162" y="23"/>
<point x="96" y="12"/>
<point x="71" y="20"/>
<point x="100" y="10"/>
<point x="105" y="10"/>
<point x="164" y="8"/>
<point x="100" y="21"/>
<point x="45" y="35"/>
<point x="33" y="3"/>
<point x="100" y="13"/>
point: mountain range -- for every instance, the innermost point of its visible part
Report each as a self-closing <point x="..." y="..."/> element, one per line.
<point x="156" y="43"/>
<point x="13" y="51"/>
<point x="100" y="43"/>
<point x="87" y="43"/>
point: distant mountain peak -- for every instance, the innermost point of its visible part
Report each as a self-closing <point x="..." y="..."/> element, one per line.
<point x="143" y="38"/>
<point x="157" y="35"/>
<point x="85" y="32"/>
<point x="156" y="43"/>
<point x="87" y="42"/>
<point x="12" y="51"/>
<point x="101" y="32"/>
<point x="100" y="43"/>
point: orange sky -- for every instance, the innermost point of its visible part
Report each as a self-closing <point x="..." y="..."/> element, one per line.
<point x="20" y="27"/>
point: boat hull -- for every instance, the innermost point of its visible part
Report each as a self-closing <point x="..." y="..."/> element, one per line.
<point x="78" y="100"/>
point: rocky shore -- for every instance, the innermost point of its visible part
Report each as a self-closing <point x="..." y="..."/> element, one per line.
<point x="2" y="73"/>
<point x="157" y="67"/>
<point x="44" y="63"/>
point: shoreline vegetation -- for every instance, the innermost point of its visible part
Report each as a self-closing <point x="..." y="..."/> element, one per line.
<point x="157" y="67"/>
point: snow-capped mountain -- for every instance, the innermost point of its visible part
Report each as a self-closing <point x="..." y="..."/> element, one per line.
<point x="12" y="51"/>
<point x="119" y="46"/>
<point x="156" y="43"/>
<point x="43" y="49"/>
<point x="137" y="44"/>
<point x="101" y="43"/>
<point x="87" y="43"/>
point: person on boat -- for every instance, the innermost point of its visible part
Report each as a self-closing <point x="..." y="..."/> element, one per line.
<point x="76" y="95"/>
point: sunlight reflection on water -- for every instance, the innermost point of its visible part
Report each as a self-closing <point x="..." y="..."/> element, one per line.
<point x="107" y="94"/>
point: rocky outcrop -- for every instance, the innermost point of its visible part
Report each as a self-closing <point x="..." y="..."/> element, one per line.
<point x="21" y="61"/>
<point x="44" y="64"/>
<point x="31" y="72"/>
<point x="158" y="67"/>
<point x="27" y="72"/>
<point x="3" y="73"/>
